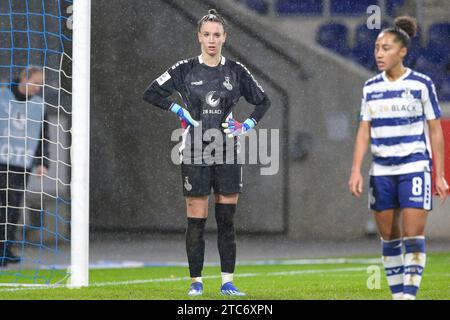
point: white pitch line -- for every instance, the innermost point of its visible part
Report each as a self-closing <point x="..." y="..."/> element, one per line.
<point x="140" y="264"/>
<point x="144" y="281"/>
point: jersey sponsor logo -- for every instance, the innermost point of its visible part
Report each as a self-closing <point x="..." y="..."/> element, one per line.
<point x="187" y="185"/>
<point x="163" y="78"/>
<point x="197" y="83"/>
<point x="407" y="95"/>
<point x="211" y="111"/>
<point x="227" y="84"/>
<point x="210" y="99"/>
<point x="412" y="107"/>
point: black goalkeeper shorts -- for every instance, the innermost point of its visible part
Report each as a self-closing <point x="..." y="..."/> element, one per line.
<point x="222" y="178"/>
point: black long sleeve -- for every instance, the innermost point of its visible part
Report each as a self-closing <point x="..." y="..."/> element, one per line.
<point x="252" y="91"/>
<point x="161" y="88"/>
<point x="261" y="109"/>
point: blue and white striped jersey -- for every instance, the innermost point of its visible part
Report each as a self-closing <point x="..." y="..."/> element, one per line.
<point x="398" y="112"/>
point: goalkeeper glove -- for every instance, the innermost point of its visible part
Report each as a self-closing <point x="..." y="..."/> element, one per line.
<point x="184" y="115"/>
<point x="235" y="128"/>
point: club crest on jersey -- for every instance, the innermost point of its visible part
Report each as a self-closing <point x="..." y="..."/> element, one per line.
<point x="210" y="99"/>
<point x="187" y="185"/>
<point x="407" y="95"/>
<point x="227" y="84"/>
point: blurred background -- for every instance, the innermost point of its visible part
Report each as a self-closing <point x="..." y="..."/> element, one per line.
<point x="312" y="57"/>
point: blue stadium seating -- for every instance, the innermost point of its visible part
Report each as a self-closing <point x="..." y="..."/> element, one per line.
<point x="363" y="50"/>
<point x="260" y="6"/>
<point x="334" y="36"/>
<point x="299" y="7"/>
<point x="392" y="5"/>
<point x="439" y="33"/>
<point x="350" y="7"/>
<point x="426" y="66"/>
<point x="414" y="50"/>
<point x="444" y="90"/>
<point x="438" y="48"/>
<point x="431" y="60"/>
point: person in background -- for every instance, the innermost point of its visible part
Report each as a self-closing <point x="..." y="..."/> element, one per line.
<point x="210" y="86"/>
<point x="400" y="120"/>
<point x="23" y="147"/>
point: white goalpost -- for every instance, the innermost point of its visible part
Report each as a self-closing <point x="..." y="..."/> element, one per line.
<point x="80" y="143"/>
<point x="44" y="142"/>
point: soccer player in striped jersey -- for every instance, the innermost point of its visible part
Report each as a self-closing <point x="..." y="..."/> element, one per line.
<point x="400" y="120"/>
<point x="210" y="87"/>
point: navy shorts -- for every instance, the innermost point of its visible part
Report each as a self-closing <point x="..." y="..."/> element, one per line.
<point x="412" y="190"/>
<point x="222" y="178"/>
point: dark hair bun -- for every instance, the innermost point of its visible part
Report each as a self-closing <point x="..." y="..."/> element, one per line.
<point x="212" y="11"/>
<point x="407" y="24"/>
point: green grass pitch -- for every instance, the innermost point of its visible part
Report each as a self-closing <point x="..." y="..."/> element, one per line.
<point x="272" y="282"/>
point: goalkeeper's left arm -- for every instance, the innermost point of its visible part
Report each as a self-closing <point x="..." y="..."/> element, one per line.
<point x="252" y="91"/>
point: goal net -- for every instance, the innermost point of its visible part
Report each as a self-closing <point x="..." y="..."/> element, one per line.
<point x="36" y="137"/>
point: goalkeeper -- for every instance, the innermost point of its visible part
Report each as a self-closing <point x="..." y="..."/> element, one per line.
<point x="22" y="147"/>
<point x="210" y="86"/>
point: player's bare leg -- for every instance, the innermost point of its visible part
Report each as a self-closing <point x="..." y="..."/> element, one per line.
<point x="197" y="207"/>
<point x="388" y="223"/>
<point x="227" y="198"/>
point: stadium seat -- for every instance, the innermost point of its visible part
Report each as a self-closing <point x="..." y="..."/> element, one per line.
<point x="438" y="48"/>
<point x="350" y="7"/>
<point x="428" y="67"/>
<point x="439" y="33"/>
<point x="299" y="7"/>
<point x="415" y="49"/>
<point x="260" y="6"/>
<point x="392" y="5"/>
<point x="444" y="90"/>
<point x="363" y="50"/>
<point x="334" y="37"/>
<point x="436" y="55"/>
<point x="364" y="55"/>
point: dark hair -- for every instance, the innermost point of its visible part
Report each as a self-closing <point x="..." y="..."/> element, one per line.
<point x="213" y="16"/>
<point x="405" y="28"/>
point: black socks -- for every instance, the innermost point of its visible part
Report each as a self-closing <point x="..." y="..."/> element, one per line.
<point x="195" y="242"/>
<point x="195" y="245"/>
<point x="226" y="236"/>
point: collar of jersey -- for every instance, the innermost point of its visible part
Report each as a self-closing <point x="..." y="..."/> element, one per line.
<point x="385" y="78"/>
<point x="200" y="60"/>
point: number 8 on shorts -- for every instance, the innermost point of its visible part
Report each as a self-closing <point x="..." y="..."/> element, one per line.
<point x="411" y="190"/>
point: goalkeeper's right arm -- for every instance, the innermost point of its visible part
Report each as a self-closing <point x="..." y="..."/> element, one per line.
<point x="160" y="89"/>
<point x="158" y="96"/>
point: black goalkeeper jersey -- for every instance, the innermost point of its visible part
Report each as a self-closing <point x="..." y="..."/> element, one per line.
<point x="209" y="94"/>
